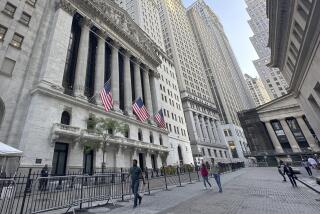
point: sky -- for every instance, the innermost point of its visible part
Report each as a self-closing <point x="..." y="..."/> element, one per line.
<point x="234" y="17"/>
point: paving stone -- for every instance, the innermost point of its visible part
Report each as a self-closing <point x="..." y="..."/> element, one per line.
<point x="247" y="191"/>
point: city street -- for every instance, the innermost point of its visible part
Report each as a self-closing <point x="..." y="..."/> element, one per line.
<point x="250" y="190"/>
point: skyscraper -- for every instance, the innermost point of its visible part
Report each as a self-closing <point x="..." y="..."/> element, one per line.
<point x="225" y="77"/>
<point x="201" y="114"/>
<point x="228" y="86"/>
<point x="145" y="13"/>
<point x="272" y="79"/>
<point x="258" y="92"/>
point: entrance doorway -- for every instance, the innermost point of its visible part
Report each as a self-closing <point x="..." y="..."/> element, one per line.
<point x="153" y="162"/>
<point x="180" y="156"/>
<point x="141" y="161"/>
<point x="88" y="156"/>
<point x="59" y="161"/>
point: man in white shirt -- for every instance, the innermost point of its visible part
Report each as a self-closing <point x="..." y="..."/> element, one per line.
<point x="312" y="162"/>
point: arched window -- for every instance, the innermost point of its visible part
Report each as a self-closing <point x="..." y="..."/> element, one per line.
<point x="140" y="138"/>
<point x="65" y="118"/>
<point x="151" y="138"/>
<point x="2" y="110"/>
<point x="160" y="140"/>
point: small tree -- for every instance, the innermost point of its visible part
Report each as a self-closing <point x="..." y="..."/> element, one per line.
<point x="107" y="128"/>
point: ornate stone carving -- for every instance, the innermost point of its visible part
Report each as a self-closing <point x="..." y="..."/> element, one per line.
<point x="66" y="6"/>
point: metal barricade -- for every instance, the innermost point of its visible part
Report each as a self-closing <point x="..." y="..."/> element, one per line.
<point x="58" y="192"/>
<point x="7" y="190"/>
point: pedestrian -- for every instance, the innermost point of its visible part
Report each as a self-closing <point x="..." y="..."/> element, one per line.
<point x="208" y="166"/>
<point x="215" y="170"/>
<point x="43" y="182"/>
<point x="204" y="173"/>
<point x="289" y="171"/>
<point x="306" y="165"/>
<point x="280" y="170"/>
<point x="136" y="173"/>
<point x="312" y="162"/>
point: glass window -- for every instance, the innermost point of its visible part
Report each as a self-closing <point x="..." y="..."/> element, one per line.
<point x="32" y="2"/>
<point x="297" y="133"/>
<point x="17" y="40"/>
<point x="3" y="31"/>
<point x="9" y="9"/>
<point x="25" y="18"/>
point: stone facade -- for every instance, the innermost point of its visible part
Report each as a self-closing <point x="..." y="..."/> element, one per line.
<point x="294" y="42"/>
<point x="52" y="89"/>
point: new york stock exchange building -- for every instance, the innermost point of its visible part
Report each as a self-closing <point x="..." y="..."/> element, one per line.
<point x="71" y="49"/>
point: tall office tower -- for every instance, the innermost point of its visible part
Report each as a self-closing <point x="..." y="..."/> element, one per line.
<point x="225" y="77"/>
<point x="201" y="114"/>
<point x="258" y="91"/>
<point x="272" y="79"/>
<point x="145" y="13"/>
<point x="227" y="83"/>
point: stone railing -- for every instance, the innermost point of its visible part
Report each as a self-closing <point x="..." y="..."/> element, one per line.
<point x="121" y="141"/>
<point x="62" y="129"/>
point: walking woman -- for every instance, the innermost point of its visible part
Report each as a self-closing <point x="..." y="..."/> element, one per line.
<point x="289" y="171"/>
<point x="204" y="173"/>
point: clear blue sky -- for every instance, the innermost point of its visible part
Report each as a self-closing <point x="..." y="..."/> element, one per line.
<point x="234" y="17"/>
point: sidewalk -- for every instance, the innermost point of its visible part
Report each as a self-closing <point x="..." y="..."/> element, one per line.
<point x="309" y="181"/>
<point x="171" y="198"/>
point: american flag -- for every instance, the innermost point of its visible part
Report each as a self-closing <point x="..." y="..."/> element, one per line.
<point x="106" y="96"/>
<point x="140" y="110"/>
<point x="159" y="119"/>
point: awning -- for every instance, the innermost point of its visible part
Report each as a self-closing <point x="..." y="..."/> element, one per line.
<point x="8" y="151"/>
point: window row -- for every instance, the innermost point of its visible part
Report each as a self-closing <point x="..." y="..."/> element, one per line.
<point x="10" y="9"/>
<point x="16" y="40"/>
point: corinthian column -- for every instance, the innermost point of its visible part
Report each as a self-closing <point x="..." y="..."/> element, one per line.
<point x="215" y="131"/>
<point x="137" y="80"/>
<point x="220" y="132"/>
<point x="155" y="92"/>
<point x="82" y="60"/>
<point x="100" y="67"/>
<point x="196" y="119"/>
<point x="204" y="129"/>
<point x="127" y="85"/>
<point x="147" y="92"/>
<point x="211" y="135"/>
<point x="115" y="76"/>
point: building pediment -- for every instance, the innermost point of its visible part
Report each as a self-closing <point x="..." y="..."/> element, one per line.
<point x="286" y="103"/>
<point x="108" y="14"/>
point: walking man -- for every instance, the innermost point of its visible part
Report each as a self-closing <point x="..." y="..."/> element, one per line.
<point x="312" y="162"/>
<point x="289" y="171"/>
<point x="204" y="173"/>
<point x="306" y="165"/>
<point x="136" y="173"/>
<point x="280" y="170"/>
<point x="215" y="170"/>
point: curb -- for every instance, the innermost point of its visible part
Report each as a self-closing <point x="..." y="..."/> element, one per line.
<point x="310" y="187"/>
